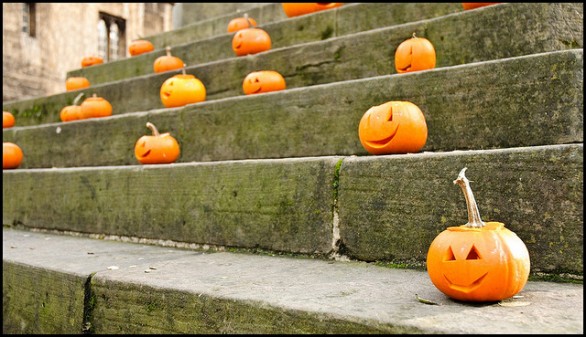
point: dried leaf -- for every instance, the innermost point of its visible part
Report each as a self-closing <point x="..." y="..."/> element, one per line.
<point x="513" y="304"/>
<point x="422" y="300"/>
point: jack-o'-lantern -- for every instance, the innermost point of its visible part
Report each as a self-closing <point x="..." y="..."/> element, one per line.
<point x="250" y="41"/>
<point x="472" y="5"/>
<point x="182" y="89"/>
<point x="292" y="9"/>
<point x="138" y="47"/>
<point x="237" y="24"/>
<point x="478" y="261"/>
<point x="393" y="127"/>
<point x="75" y="83"/>
<point x="95" y="107"/>
<point x="414" y="54"/>
<point x="89" y="61"/>
<point x="7" y="119"/>
<point x="11" y="155"/>
<point x="156" y="149"/>
<point x="72" y="112"/>
<point x="263" y="81"/>
<point x="167" y="62"/>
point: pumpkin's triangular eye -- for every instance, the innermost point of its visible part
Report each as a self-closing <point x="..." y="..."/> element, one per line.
<point x="473" y="254"/>
<point x="450" y="256"/>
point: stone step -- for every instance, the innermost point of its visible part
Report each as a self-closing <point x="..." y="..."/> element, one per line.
<point x="195" y="49"/>
<point x="525" y="101"/>
<point x="193" y="13"/>
<point x="70" y="285"/>
<point x="456" y="37"/>
<point x="373" y="208"/>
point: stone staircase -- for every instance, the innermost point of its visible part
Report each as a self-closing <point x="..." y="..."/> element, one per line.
<point x="275" y="219"/>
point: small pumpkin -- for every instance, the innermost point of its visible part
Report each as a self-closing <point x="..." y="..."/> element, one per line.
<point x="167" y="62"/>
<point x="478" y="261"/>
<point x="95" y="107"/>
<point x="292" y="9"/>
<point x="393" y="127"/>
<point x="156" y="149"/>
<point x="250" y="41"/>
<point x="11" y="155"/>
<point x="89" y="61"/>
<point x="237" y="24"/>
<point x="414" y="54"/>
<point x="182" y="89"/>
<point x="72" y="112"/>
<point x="263" y="81"/>
<point x="7" y="120"/>
<point x="472" y="5"/>
<point x="138" y="47"/>
<point x="75" y="83"/>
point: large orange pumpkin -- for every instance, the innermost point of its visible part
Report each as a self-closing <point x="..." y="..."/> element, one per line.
<point x="263" y="81"/>
<point x="7" y="119"/>
<point x="478" y="261"/>
<point x="72" y="112"/>
<point x="95" y="107"/>
<point x="167" y="62"/>
<point x="182" y="89"/>
<point x="11" y="155"/>
<point x="472" y="5"/>
<point x="237" y="24"/>
<point x="250" y="41"/>
<point x="138" y="47"/>
<point x="75" y="83"/>
<point x="89" y="61"/>
<point x="414" y="54"/>
<point x="292" y="9"/>
<point x="393" y="127"/>
<point x="156" y="149"/>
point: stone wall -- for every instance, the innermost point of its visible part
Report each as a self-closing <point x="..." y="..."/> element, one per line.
<point x="65" y="33"/>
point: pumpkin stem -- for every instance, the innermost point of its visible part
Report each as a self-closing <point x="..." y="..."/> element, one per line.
<point x="183" y="69"/>
<point x="247" y="20"/>
<point x="153" y="128"/>
<point x="168" y="50"/>
<point x="77" y="98"/>
<point x="414" y="35"/>
<point x="474" y="219"/>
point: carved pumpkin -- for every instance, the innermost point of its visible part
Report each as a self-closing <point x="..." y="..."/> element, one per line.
<point x="478" y="261"/>
<point x="7" y="120"/>
<point x="89" y="61"/>
<point x="292" y="9"/>
<point x="72" y="112"/>
<point x="250" y="41"/>
<point x="414" y="54"/>
<point x="138" y="47"/>
<point x="167" y="62"/>
<point x="393" y="127"/>
<point x="472" y="5"/>
<point x="75" y="83"/>
<point x="11" y="155"/>
<point x="182" y="89"/>
<point x="156" y="149"/>
<point x="95" y="107"/>
<point x="237" y="24"/>
<point x="263" y="81"/>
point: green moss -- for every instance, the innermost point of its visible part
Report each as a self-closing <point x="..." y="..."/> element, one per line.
<point x="327" y="33"/>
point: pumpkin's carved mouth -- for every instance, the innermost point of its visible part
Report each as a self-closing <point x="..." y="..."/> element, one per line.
<point x="393" y="128"/>
<point x="466" y="288"/>
<point x="408" y="66"/>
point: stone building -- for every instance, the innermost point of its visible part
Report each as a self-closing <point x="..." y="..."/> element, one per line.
<point x="41" y="42"/>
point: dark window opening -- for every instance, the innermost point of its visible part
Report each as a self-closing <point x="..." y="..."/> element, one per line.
<point x="111" y="37"/>
<point x="29" y="19"/>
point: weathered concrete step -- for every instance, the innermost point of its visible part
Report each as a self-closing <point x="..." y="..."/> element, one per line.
<point x="62" y="284"/>
<point x="525" y="101"/>
<point x="377" y="208"/>
<point x="344" y="58"/>
<point x="348" y="19"/>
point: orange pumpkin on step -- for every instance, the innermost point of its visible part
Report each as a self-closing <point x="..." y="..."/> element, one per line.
<point x="138" y="47"/>
<point x="414" y="54"/>
<point x="237" y="24"/>
<point x="472" y="5"/>
<point x="11" y="155"/>
<point x="72" y="112"/>
<point x="95" y="107"/>
<point x="89" y="61"/>
<point x="478" y="261"/>
<point x="393" y="127"/>
<point x="250" y="41"/>
<point x="7" y="120"/>
<point x="167" y="62"/>
<point x="156" y="149"/>
<point x="182" y="89"/>
<point x="76" y="83"/>
<point x="292" y="9"/>
<point x="263" y="81"/>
